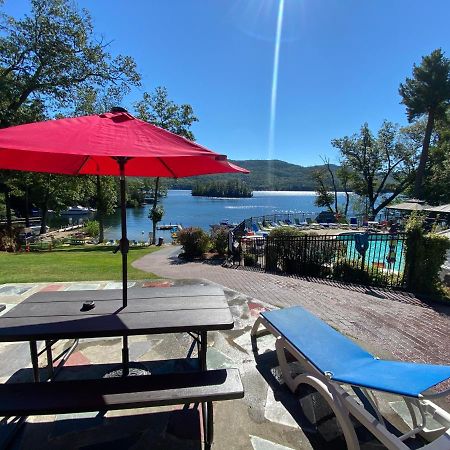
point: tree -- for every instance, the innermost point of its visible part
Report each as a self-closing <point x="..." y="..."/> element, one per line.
<point x="427" y="94"/>
<point x="101" y="193"/>
<point x="156" y="108"/>
<point x="379" y="165"/>
<point x="52" y="53"/>
<point x="14" y="183"/>
<point x="327" y="187"/>
<point x="437" y="183"/>
<point x="157" y="212"/>
<point x="55" y="192"/>
<point x="46" y="59"/>
<point x="325" y="198"/>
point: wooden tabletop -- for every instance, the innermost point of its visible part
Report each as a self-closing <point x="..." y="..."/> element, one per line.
<point x="58" y="315"/>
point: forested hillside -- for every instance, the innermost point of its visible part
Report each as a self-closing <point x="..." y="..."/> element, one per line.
<point x="264" y="175"/>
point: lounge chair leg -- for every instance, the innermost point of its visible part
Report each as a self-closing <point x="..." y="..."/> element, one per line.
<point x="255" y="333"/>
<point x="325" y="389"/>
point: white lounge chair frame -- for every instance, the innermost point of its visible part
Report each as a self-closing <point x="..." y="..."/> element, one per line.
<point x="343" y="405"/>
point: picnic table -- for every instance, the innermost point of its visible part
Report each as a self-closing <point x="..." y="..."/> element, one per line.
<point x="51" y="316"/>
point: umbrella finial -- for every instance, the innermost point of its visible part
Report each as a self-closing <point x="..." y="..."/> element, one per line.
<point x="116" y="109"/>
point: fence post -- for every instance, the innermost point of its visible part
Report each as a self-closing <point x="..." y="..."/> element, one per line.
<point x="412" y="241"/>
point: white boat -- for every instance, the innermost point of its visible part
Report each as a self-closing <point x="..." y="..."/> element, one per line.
<point x="78" y="211"/>
<point x="35" y="230"/>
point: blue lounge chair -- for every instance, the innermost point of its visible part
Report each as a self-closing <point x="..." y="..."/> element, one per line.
<point x="263" y="228"/>
<point x="258" y="231"/>
<point x="330" y="360"/>
<point x="299" y="224"/>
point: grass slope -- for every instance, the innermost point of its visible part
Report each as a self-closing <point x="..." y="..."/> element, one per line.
<point x="71" y="264"/>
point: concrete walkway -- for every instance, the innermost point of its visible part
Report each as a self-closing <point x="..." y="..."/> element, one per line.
<point x="388" y="323"/>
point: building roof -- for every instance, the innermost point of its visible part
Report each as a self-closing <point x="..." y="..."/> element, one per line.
<point x="419" y="205"/>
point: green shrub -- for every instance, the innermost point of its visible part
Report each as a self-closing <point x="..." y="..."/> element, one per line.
<point x="285" y="232"/>
<point x="294" y="252"/>
<point x="249" y="260"/>
<point x="7" y="243"/>
<point x="92" y="228"/>
<point x="156" y="214"/>
<point x="219" y="238"/>
<point x="195" y="242"/>
<point x="350" y="272"/>
<point x="425" y="254"/>
<point x="283" y="249"/>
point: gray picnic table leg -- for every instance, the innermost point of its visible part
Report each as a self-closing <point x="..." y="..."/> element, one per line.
<point x="125" y="357"/>
<point x="203" y="345"/>
<point x="34" y="360"/>
<point x="48" y="349"/>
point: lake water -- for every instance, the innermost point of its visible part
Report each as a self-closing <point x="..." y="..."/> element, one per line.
<point x="182" y="208"/>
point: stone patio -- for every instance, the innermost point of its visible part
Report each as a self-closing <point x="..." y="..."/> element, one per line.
<point x="269" y="416"/>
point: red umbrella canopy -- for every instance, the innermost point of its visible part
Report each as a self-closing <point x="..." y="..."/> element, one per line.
<point x="90" y="145"/>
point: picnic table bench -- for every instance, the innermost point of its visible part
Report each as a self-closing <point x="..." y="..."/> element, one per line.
<point x="76" y="396"/>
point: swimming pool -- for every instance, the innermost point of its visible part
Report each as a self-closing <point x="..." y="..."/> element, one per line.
<point x="386" y="251"/>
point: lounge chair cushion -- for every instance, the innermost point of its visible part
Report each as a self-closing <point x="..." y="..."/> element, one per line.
<point x="346" y="362"/>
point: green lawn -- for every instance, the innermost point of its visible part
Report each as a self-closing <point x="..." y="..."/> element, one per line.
<point x="70" y="264"/>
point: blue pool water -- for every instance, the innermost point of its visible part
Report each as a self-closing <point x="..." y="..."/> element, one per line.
<point x="382" y="249"/>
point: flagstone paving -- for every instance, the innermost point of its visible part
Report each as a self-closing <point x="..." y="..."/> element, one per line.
<point x="269" y="416"/>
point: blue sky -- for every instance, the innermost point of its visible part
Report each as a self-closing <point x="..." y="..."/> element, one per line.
<point x="341" y="62"/>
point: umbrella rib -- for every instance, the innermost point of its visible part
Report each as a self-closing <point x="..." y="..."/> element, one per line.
<point x="83" y="163"/>
<point x="167" y="167"/>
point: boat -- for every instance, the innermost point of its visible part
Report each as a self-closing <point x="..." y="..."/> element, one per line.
<point x="224" y="223"/>
<point x="35" y="230"/>
<point x="174" y="228"/>
<point x="78" y="211"/>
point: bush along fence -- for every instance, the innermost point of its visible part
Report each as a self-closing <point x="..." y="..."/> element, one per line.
<point x="365" y="258"/>
<point x="425" y="256"/>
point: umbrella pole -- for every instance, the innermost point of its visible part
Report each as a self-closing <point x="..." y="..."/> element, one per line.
<point x="124" y="245"/>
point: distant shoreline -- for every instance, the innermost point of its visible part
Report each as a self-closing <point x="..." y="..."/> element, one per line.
<point x="259" y="190"/>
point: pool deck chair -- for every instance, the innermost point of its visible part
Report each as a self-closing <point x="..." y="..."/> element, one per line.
<point x="329" y="361"/>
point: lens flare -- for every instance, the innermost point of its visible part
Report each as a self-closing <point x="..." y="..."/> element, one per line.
<point x="273" y="97"/>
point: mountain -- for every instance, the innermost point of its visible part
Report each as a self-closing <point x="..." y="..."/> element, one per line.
<point x="265" y="175"/>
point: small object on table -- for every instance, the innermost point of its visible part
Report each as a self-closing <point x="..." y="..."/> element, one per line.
<point x="88" y="305"/>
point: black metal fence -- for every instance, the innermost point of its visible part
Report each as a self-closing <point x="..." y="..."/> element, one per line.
<point x="365" y="258"/>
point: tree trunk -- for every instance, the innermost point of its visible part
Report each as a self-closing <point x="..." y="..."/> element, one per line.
<point x="371" y="213"/>
<point x="420" y="173"/>
<point x="155" y="203"/>
<point x="44" y="212"/>
<point x="100" y="211"/>
<point x="347" y="202"/>
<point x="8" y="211"/>
<point x="27" y="207"/>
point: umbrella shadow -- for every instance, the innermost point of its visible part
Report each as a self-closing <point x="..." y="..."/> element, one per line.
<point x="157" y="430"/>
<point x="178" y="261"/>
